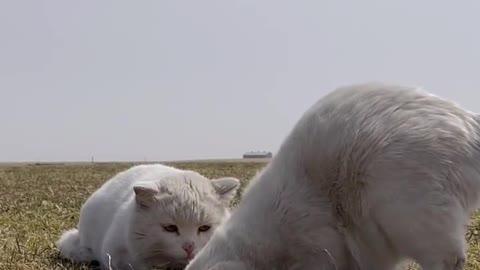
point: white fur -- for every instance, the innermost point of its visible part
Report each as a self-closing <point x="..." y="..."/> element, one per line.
<point x="372" y="174"/>
<point x="125" y="218"/>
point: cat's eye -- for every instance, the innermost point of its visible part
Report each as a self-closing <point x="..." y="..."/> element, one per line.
<point x="203" y="228"/>
<point x="170" y="228"/>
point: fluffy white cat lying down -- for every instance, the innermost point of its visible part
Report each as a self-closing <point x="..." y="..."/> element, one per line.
<point x="149" y="215"/>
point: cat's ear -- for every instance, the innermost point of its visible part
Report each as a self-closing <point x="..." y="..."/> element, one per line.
<point x="145" y="193"/>
<point x="226" y="188"/>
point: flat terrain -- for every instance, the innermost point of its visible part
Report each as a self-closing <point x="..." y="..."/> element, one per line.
<point x="38" y="202"/>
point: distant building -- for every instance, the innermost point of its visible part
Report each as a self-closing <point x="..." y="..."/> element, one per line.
<point x="258" y="154"/>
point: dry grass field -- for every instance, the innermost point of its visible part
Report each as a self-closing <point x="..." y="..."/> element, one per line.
<point x="38" y="202"/>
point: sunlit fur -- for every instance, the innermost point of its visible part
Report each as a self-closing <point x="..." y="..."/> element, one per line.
<point x="123" y="221"/>
<point x="372" y="174"/>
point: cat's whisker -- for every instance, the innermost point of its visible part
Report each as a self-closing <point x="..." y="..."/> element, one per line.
<point x="160" y="266"/>
<point x="139" y="237"/>
<point x="156" y="253"/>
<point x="330" y="256"/>
<point x="149" y="254"/>
<point x="164" y="264"/>
<point x="139" y="233"/>
<point x="109" y="262"/>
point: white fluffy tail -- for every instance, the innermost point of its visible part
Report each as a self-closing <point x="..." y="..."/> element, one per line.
<point x="69" y="246"/>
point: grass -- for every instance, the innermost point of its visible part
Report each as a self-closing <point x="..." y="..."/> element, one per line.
<point x="38" y="202"/>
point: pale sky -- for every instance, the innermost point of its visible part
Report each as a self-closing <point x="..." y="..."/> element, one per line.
<point x="170" y="80"/>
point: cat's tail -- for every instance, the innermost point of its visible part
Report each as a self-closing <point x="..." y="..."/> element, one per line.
<point x="70" y="248"/>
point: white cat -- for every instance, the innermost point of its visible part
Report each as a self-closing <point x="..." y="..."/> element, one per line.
<point x="372" y="174"/>
<point x="149" y="215"/>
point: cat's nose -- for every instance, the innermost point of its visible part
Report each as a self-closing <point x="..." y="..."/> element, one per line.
<point x="188" y="247"/>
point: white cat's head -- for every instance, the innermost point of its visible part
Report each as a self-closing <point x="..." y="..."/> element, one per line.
<point x="175" y="217"/>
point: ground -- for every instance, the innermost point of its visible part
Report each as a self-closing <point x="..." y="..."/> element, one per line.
<point x="38" y="202"/>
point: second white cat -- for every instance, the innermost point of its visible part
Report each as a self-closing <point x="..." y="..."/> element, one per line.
<point x="370" y="175"/>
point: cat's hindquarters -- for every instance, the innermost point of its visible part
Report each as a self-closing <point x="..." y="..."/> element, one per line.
<point x="70" y="247"/>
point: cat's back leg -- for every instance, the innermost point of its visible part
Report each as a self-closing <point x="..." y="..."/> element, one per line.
<point x="431" y="234"/>
<point x="95" y="219"/>
<point x="421" y="221"/>
<point x="88" y="228"/>
<point x="77" y="243"/>
<point x="70" y="247"/>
